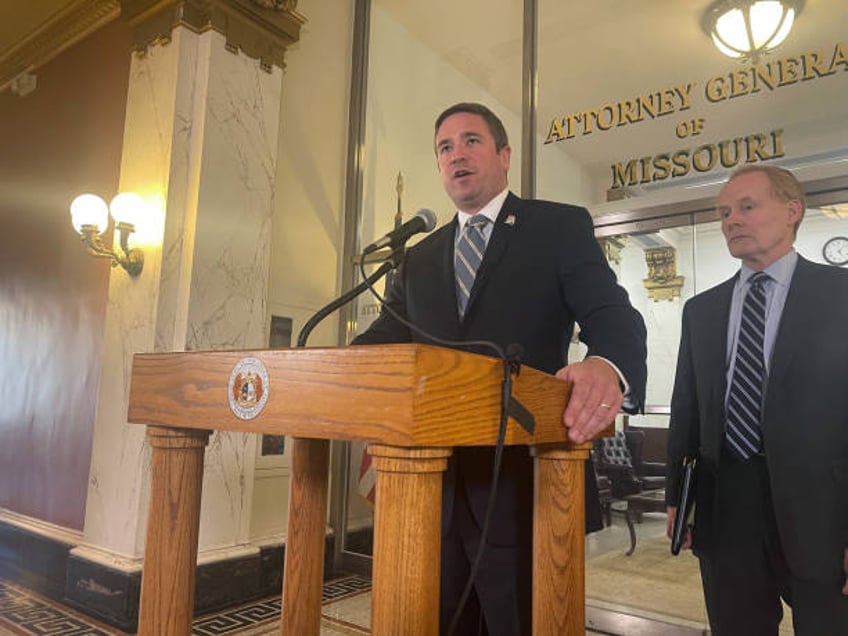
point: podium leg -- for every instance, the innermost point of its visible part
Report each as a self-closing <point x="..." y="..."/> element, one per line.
<point x="559" y="586"/>
<point x="170" y="554"/>
<point x="407" y="540"/>
<point x="303" y="569"/>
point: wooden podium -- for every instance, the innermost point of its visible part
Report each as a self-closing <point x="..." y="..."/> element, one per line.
<point x="412" y="404"/>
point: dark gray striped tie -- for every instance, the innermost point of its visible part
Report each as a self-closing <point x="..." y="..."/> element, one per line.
<point x="469" y="254"/>
<point x="744" y="404"/>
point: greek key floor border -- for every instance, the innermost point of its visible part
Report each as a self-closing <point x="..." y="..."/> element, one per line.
<point x="24" y="613"/>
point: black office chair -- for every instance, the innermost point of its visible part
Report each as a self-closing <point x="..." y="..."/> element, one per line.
<point x="619" y="458"/>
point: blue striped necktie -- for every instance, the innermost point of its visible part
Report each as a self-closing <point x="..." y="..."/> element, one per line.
<point x="744" y="404"/>
<point x="469" y="255"/>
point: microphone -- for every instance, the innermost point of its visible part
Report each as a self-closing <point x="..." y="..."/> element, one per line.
<point x="423" y="221"/>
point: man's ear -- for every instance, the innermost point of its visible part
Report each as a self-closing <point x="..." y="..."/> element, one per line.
<point x="505" y="153"/>
<point x="795" y="211"/>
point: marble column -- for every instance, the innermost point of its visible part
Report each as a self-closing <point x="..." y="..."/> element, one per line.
<point x="200" y="145"/>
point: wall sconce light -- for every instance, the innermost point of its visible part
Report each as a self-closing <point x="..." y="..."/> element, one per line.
<point x="746" y="29"/>
<point x="90" y="218"/>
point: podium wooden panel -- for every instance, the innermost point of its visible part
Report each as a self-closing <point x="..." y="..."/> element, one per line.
<point x="412" y="404"/>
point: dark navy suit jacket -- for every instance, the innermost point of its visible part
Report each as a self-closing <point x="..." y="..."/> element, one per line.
<point x="805" y="416"/>
<point x="542" y="271"/>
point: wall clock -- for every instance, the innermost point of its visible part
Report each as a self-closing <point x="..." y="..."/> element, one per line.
<point x="835" y="250"/>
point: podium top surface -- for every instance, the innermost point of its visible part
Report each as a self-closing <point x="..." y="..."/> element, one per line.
<point x="400" y="395"/>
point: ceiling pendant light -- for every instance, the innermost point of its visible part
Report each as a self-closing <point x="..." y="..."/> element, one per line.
<point x="746" y="29"/>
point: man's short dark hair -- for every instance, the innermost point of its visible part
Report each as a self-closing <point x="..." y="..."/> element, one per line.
<point x="495" y="125"/>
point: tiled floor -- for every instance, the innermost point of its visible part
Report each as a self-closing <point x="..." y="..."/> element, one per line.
<point x="346" y="609"/>
<point x="347" y="606"/>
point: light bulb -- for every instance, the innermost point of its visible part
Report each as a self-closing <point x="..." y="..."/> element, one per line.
<point x="89" y="209"/>
<point x="127" y="207"/>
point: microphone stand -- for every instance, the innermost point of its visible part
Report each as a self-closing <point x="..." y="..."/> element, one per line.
<point x="389" y="264"/>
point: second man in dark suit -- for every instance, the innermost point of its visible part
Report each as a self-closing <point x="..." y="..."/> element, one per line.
<point x="760" y="397"/>
<point x="540" y="271"/>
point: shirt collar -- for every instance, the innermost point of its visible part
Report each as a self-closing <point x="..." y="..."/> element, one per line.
<point x="490" y="210"/>
<point x="780" y="271"/>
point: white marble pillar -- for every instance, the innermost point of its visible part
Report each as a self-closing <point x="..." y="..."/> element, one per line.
<point x="200" y="145"/>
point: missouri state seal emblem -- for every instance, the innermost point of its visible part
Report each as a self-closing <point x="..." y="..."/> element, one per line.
<point x="247" y="391"/>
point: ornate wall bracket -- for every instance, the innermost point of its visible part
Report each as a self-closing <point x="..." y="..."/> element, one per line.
<point x="662" y="283"/>
<point x="261" y="29"/>
<point x="612" y="246"/>
<point x="63" y="28"/>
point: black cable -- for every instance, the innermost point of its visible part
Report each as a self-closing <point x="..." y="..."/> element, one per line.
<point x="342" y="300"/>
<point x="506" y="393"/>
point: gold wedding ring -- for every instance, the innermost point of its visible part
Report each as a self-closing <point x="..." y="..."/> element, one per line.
<point x="604" y="405"/>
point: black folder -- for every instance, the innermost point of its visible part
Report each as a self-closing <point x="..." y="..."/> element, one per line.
<point x="685" y="504"/>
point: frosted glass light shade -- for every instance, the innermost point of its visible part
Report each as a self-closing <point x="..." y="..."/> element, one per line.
<point x="89" y="209"/>
<point x="127" y="207"/>
<point x="745" y="29"/>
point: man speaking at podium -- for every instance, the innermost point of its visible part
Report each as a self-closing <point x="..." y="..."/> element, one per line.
<point x="510" y="271"/>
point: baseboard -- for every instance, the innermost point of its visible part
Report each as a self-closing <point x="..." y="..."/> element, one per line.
<point x="111" y="595"/>
<point x="33" y="560"/>
<point x="104" y="593"/>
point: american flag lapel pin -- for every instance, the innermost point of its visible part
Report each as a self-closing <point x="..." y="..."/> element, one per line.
<point x="510" y="219"/>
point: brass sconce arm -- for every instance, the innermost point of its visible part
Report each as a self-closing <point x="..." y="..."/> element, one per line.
<point x="132" y="260"/>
